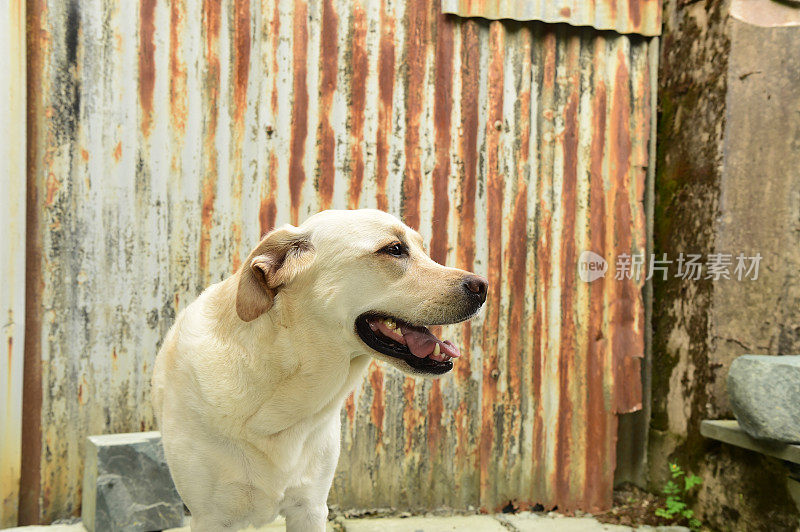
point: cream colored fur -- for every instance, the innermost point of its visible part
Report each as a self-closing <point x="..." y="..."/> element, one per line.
<point x="249" y="382"/>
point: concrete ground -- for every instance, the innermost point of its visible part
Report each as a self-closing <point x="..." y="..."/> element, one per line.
<point x="521" y="522"/>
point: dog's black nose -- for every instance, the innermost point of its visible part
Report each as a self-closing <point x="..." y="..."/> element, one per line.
<point x="476" y="286"/>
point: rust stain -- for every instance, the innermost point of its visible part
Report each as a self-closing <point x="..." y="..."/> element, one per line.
<point x="85" y="155"/>
<point x="236" y="260"/>
<point x="418" y="35"/>
<point x="10" y="357"/>
<point x="328" y="51"/>
<point x="268" y="211"/>
<point x="518" y="352"/>
<point x="378" y="401"/>
<point x="468" y="147"/>
<point x="38" y="137"/>
<point x="538" y="484"/>
<point x="385" y="95"/>
<point x="565" y="12"/>
<point x="468" y="152"/>
<point x="494" y="222"/>
<point x="564" y="441"/>
<point x="517" y="269"/>
<point x="635" y="12"/>
<point x="541" y="484"/>
<point x="241" y="55"/>
<point x="612" y="10"/>
<point x="177" y="66"/>
<point x="434" y="418"/>
<point x="463" y="453"/>
<point x="596" y="480"/>
<point x="462" y="368"/>
<point x="118" y="151"/>
<point x="411" y="415"/>
<point x="211" y="23"/>
<point x="297" y="175"/>
<point x="206" y="220"/>
<point x="549" y="74"/>
<point x="275" y="33"/>
<point x="53" y="185"/>
<point x="147" y="64"/>
<point x="442" y="111"/>
<point x="625" y="344"/>
<point x="350" y="409"/>
<point x="357" y="105"/>
<point x="241" y="69"/>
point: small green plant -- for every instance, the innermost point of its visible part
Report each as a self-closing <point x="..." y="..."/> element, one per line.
<point x="676" y="507"/>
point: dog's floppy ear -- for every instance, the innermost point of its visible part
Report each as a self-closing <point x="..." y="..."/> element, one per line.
<point x="278" y="258"/>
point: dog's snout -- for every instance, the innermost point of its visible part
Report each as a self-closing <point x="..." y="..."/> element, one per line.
<point x="476" y="286"/>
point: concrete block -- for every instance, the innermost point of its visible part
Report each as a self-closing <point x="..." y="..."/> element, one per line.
<point x="127" y="486"/>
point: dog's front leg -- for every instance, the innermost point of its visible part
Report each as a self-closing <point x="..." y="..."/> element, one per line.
<point x="306" y="516"/>
<point x="305" y="506"/>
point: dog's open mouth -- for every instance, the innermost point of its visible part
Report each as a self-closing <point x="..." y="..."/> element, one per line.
<point x="413" y="344"/>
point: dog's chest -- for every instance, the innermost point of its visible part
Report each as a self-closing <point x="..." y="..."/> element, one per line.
<point x="289" y="452"/>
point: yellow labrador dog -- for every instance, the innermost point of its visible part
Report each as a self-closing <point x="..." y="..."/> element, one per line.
<point x="249" y="383"/>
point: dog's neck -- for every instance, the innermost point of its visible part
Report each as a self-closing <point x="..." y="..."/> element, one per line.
<point x="279" y="360"/>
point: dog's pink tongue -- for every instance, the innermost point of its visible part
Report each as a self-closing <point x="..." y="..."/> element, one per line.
<point x="421" y="343"/>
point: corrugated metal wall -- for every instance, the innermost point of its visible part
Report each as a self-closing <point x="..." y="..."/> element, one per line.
<point x="12" y="240"/>
<point x="166" y="137"/>
<point x="624" y="16"/>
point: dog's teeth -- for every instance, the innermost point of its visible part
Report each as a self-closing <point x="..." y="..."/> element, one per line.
<point x="437" y="350"/>
<point x="390" y="323"/>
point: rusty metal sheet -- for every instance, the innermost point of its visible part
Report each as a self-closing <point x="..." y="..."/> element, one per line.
<point x="12" y="238"/>
<point x="168" y="137"/>
<point x="623" y="16"/>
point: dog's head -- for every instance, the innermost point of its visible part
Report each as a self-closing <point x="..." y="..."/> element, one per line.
<point x="364" y="277"/>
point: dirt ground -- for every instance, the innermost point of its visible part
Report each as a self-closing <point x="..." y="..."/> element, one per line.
<point x="632" y="507"/>
<point x="636" y="507"/>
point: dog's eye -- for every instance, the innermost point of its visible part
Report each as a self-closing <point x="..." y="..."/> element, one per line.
<point x="395" y="250"/>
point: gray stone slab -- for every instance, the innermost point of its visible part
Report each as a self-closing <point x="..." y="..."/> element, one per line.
<point x="729" y="431"/>
<point x="127" y="486"/>
<point x="765" y="396"/>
